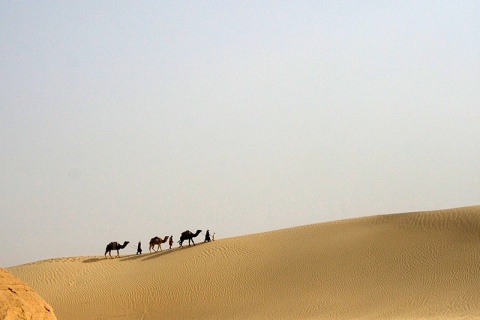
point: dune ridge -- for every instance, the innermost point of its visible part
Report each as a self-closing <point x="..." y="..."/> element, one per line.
<point x="419" y="265"/>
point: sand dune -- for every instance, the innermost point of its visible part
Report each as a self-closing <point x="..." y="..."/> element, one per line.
<point x="423" y="265"/>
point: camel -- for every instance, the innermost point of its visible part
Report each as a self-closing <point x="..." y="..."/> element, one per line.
<point x="115" y="246"/>
<point x="157" y="241"/>
<point x="188" y="235"/>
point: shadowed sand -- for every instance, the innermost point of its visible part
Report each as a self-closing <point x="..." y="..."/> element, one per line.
<point x="423" y="265"/>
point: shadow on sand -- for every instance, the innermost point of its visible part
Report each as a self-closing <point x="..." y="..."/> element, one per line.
<point x="92" y="260"/>
<point x="154" y="255"/>
<point x="144" y="256"/>
<point x="132" y="257"/>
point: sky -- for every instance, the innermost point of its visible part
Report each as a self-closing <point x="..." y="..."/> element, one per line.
<point x="124" y="120"/>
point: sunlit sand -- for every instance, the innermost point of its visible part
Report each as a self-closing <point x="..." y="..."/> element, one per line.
<point x="423" y="265"/>
<point x="19" y="301"/>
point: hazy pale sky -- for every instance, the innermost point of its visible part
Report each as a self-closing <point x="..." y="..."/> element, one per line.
<point x="129" y="120"/>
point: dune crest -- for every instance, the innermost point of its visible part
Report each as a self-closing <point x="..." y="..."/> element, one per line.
<point x="420" y="265"/>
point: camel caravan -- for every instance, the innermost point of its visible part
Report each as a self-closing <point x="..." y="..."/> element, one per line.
<point x="157" y="241"/>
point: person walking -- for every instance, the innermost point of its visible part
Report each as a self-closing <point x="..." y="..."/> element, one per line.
<point x="207" y="236"/>
<point x="170" y="242"/>
<point x="139" y="248"/>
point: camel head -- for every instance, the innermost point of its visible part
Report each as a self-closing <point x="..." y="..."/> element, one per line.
<point x="197" y="233"/>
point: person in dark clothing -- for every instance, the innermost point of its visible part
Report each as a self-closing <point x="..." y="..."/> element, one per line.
<point x="139" y="248"/>
<point x="170" y="241"/>
<point x="207" y="236"/>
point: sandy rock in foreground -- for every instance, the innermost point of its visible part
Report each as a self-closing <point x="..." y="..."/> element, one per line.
<point x="19" y="301"/>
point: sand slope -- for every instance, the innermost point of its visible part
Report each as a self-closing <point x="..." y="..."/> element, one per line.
<point x="423" y="265"/>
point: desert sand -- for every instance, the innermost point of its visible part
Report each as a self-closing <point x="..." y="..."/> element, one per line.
<point x="19" y="301"/>
<point x="420" y="265"/>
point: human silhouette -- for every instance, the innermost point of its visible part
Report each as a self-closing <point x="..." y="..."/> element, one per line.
<point x="139" y="248"/>
<point x="207" y="236"/>
<point x="170" y="242"/>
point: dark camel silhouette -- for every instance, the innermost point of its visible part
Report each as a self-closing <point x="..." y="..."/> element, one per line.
<point x="157" y="242"/>
<point x="115" y="246"/>
<point x="188" y="235"/>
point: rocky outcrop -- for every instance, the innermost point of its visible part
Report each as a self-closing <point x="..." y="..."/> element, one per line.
<point x="19" y="302"/>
